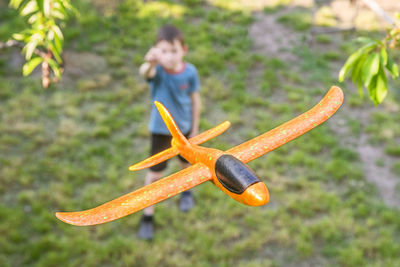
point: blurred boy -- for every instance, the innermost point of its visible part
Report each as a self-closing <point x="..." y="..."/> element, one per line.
<point x="175" y="84"/>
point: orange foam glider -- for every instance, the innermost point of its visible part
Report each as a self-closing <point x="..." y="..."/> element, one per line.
<point x="226" y="169"/>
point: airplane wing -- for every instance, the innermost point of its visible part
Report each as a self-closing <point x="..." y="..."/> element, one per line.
<point x="141" y="198"/>
<point x="288" y="131"/>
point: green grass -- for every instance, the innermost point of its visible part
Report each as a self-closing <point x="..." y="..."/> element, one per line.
<point x="68" y="148"/>
<point x="299" y="20"/>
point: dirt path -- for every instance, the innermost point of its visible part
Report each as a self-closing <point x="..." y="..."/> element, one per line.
<point x="381" y="176"/>
<point x="272" y="38"/>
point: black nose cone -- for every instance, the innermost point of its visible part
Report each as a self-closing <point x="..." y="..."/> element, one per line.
<point x="233" y="174"/>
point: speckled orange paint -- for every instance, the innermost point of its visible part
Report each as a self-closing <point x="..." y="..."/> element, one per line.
<point x="139" y="199"/>
<point x="203" y="160"/>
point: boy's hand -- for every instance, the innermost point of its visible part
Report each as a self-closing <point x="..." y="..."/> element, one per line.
<point x="152" y="55"/>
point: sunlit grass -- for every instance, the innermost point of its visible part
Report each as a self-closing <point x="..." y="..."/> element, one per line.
<point x="324" y="16"/>
<point x="243" y="5"/>
<point x="161" y="9"/>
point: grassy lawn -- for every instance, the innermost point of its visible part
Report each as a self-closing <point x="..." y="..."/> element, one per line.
<point x="68" y="147"/>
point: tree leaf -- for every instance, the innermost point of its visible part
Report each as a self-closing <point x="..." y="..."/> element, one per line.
<point x="356" y="73"/>
<point x="15" y="3"/>
<point x="32" y="19"/>
<point x="392" y="68"/>
<point x="363" y="39"/>
<point x="370" y="68"/>
<point x="18" y="36"/>
<point x="30" y="48"/>
<point x="348" y="65"/>
<point x="55" y="53"/>
<point x="368" y="47"/>
<point x="50" y="35"/>
<point x="384" y="56"/>
<point x="46" y="8"/>
<point x="57" y="31"/>
<point x="31" y="65"/>
<point x="40" y="5"/>
<point x="395" y="70"/>
<point x="372" y="89"/>
<point x="55" y="67"/>
<point x="57" y="14"/>
<point x="67" y="5"/>
<point x="58" y="43"/>
<point x="381" y="86"/>
<point x="29" y="8"/>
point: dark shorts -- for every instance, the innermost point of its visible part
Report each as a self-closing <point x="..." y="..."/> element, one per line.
<point x="160" y="142"/>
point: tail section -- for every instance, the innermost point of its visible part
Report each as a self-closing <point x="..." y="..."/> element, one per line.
<point x="171" y="152"/>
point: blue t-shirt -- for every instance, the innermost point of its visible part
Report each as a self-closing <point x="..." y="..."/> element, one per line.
<point x="173" y="90"/>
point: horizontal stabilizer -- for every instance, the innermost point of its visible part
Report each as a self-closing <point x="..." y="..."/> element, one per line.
<point x="210" y="134"/>
<point x="155" y="159"/>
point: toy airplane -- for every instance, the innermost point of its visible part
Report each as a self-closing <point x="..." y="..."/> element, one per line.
<point x="226" y="169"/>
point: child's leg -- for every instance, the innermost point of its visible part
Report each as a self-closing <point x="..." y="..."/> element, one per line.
<point x="184" y="165"/>
<point x="146" y="230"/>
<point x="186" y="202"/>
<point x="151" y="177"/>
<point x="159" y="143"/>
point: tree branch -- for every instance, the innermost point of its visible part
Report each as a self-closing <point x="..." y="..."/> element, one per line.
<point x="11" y="43"/>
<point x="379" y="11"/>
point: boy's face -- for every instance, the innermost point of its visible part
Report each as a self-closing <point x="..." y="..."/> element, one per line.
<point x="171" y="54"/>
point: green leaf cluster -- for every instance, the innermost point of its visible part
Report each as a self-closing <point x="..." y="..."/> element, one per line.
<point x="44" y="39"/>
<point x="367" y="68"/>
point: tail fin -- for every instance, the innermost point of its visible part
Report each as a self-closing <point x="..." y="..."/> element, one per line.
<point x="177" y="138"/>
<point x="171" y="125"/>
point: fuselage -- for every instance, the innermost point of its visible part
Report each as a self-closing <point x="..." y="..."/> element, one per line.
<point x="229" y="174"/>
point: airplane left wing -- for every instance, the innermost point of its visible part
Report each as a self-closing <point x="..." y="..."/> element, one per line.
<point x="288" y="131"/>
<point x="141" y="198"/>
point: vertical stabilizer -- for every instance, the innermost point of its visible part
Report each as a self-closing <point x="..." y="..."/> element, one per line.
<point x="178" y="137"/>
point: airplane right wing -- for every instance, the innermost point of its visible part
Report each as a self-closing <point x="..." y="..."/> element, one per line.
<point x="141" y="198"/>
